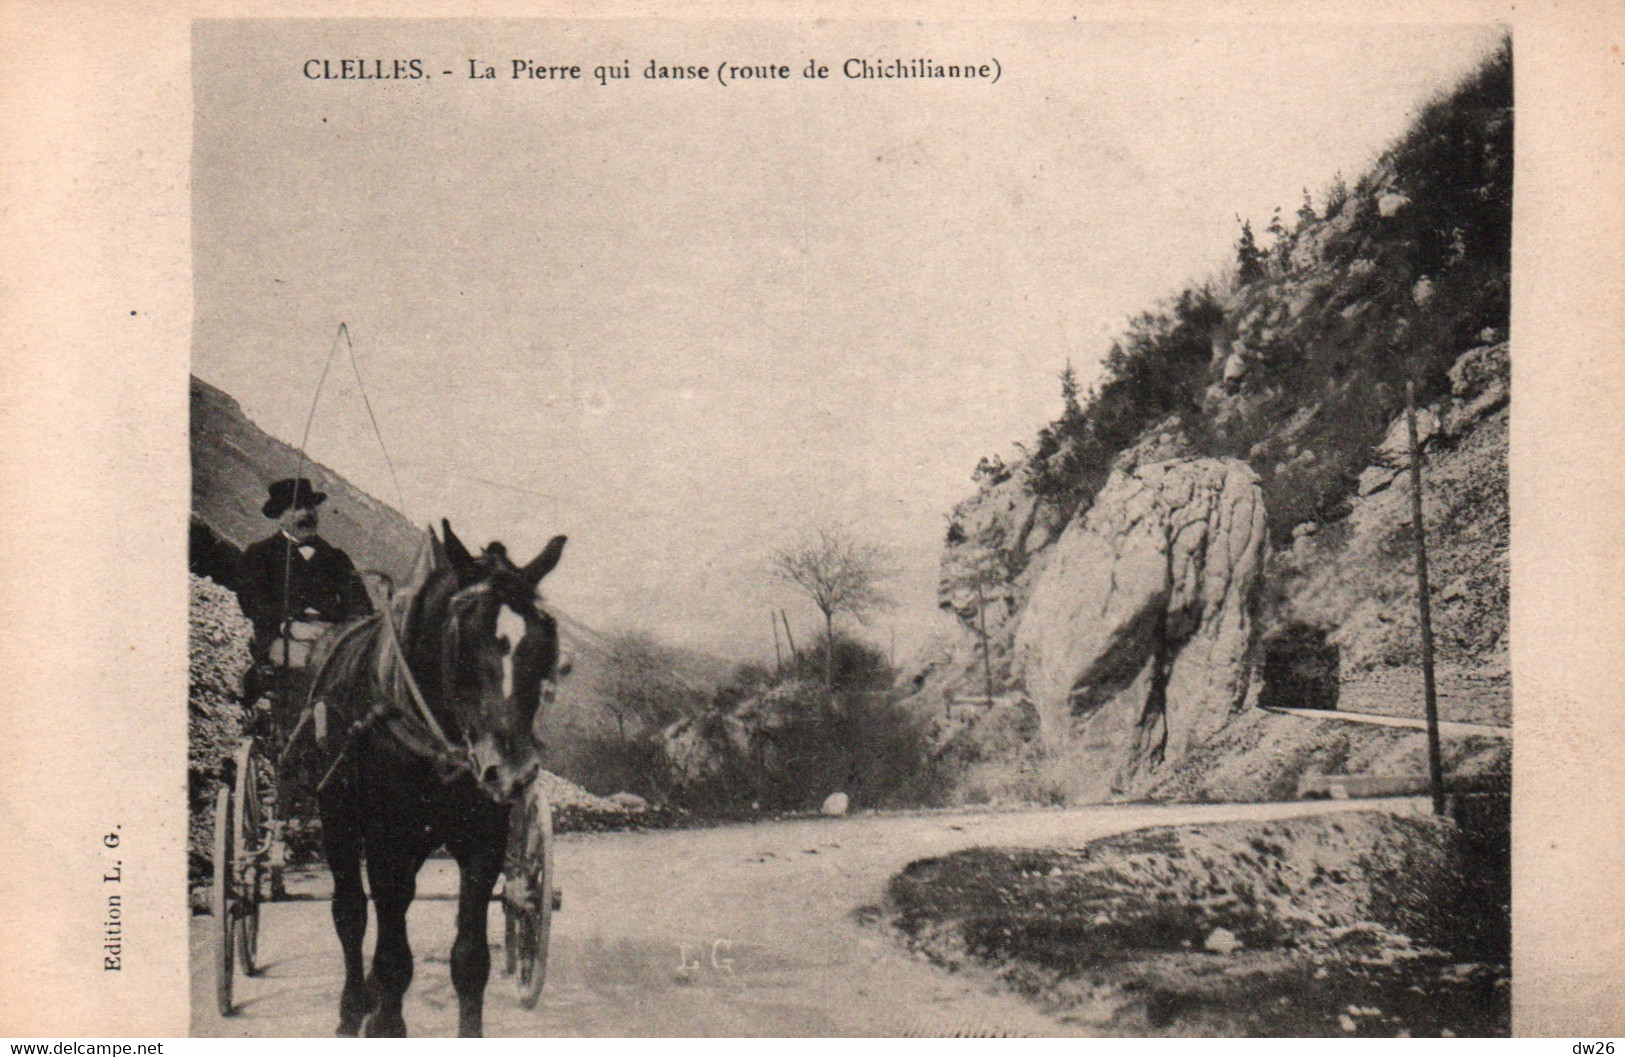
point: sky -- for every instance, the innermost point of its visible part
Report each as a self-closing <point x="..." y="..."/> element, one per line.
<point x="683" y="322"/>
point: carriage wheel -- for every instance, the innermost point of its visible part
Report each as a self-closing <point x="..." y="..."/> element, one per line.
<point x="249" y="830"/>
<point x="528" y="896"/>
<point x="222" y="901"/>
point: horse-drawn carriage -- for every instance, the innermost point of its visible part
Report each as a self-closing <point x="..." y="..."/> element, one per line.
<point x="397" y="774"/>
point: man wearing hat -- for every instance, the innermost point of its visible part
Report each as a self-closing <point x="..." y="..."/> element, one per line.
<point x="293" y="586"/>
<point x="322" y="587"/>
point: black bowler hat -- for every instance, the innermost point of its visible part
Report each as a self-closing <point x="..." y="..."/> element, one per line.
<point x="291" y="493"/>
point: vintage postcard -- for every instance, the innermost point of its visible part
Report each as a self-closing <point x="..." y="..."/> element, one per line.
<point x="766" y="522"/>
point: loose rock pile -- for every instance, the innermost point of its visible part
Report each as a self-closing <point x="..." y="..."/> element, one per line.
<point x="218" y="647"/>
<point x="565" y="795"/>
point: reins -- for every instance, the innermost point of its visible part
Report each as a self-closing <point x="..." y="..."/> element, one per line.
<point x="452" y="758"/>
<point x="411" y="687"/>
<point x="428" y="741"/>
<point x="420" y="732"/>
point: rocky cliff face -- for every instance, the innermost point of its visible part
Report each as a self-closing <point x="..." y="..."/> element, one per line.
<point x="1077" y="634"/>
<point x="1000" y="540"/>
<point x="1136" y="639"/>
<point x="1356" y="576"/>
<point x="1295" y="371"/>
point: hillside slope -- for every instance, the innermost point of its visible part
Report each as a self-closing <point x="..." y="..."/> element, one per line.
<point x="1299" y="367"/>
<point x="233" y="461"/>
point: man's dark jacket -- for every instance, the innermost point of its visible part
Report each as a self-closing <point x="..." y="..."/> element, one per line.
<point x="325" y="582"/>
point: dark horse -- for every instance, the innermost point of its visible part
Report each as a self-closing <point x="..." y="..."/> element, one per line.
<point x="428" y="708"/>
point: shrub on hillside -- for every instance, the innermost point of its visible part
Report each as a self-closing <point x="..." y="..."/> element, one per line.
<point x="1158" y="368"/>
<point x="782" y="745"/>
<point x="641" y="684"/>
<point x="1301" y="366"/>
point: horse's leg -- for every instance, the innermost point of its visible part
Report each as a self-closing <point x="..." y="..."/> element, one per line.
<point x="341" y="843"/>
<point x="393" y="876"/>
<point x="478" y="863"/>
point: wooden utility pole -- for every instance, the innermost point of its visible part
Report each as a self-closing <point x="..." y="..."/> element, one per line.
<point x="778" y="657"/>
<point x="788" y="635"/>
<point x="1430" y="699"/>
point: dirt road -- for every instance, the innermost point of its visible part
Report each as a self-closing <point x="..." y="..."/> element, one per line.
<point x="736" y="930"/>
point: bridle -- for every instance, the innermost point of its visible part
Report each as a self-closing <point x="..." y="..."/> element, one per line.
<point x="452" y="758"/>
<point x="423" y="734"/>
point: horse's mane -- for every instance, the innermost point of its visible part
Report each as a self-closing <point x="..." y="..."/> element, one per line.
<point x="417" y="611"/>
<point x="362" y="656"/>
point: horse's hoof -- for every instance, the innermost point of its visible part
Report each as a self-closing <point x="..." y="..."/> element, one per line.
<point x="384" y="1027"/>
<point x="346" y="1030"/>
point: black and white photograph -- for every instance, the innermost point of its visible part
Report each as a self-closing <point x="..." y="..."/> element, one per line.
<point x="860" y="529"/>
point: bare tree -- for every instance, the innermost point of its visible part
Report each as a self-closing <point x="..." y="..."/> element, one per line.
<point x="641" y="683"/>
<point x="841" y="574"/>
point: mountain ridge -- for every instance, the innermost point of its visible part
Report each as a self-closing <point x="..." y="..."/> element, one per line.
<point x="1299" y="366"/>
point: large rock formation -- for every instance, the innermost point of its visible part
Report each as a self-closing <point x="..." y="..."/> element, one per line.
<point x="1135" y="642"/>
<point x="999" y="539"/>
<point x="1300" y="368"/>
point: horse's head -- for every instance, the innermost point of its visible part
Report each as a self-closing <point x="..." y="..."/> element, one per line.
<point x="498" y="648"/>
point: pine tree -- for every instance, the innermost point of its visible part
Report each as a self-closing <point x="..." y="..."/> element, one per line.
<point x="1071" y="409"/>
<point x="1280" y="240"/>
<point x="1249" y="258"/>
<point x="1336" y="194"/>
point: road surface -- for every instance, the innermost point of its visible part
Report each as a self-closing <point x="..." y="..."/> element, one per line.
<point x="733" y="930"/>
<point x="1482" y="730"/>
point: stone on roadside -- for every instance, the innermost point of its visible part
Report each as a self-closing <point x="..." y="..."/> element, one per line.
<point x="835" y="805"/>
<point x="629" y="801"/>
<point x="1222" y="941"/>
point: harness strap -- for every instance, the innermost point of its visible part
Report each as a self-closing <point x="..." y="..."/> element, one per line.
<point x="418" y="730"/>
<point x="379" y="711"/>
<point x="418" y="733"/>
<point x="412" y="686"/>
<point x="307" y="712"/>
